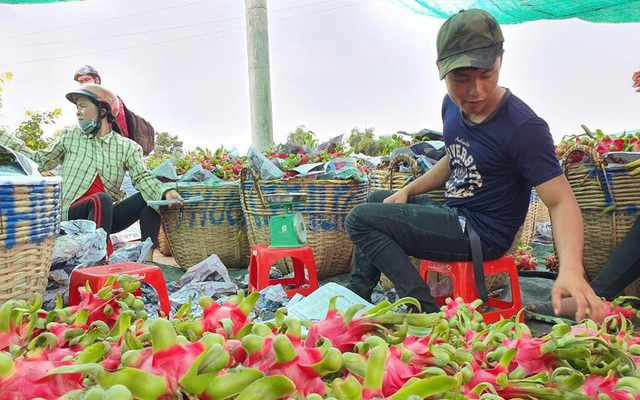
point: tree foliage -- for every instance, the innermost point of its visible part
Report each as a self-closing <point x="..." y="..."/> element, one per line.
<point x="167" y="146"/>
<point x="4" y="78"/>
<point x="364" y="142"/>
<point x="303" y="136"/>
<point x="392" y="142"/>
<point x="30" y="129"/>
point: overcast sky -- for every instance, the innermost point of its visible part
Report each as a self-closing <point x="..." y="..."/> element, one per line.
<point x="335" y="65"/>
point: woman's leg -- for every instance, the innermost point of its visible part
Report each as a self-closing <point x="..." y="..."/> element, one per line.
<point x="97" y="207"/>
<point x="132" y="209"/>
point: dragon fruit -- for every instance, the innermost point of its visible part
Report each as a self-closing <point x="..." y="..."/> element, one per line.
<point x="597" y="386"/>
<point x="345" y="330"/>
<point x="524" y="259"/>
<point x="619" y="308"/>
<point x="286" y="354"/>
<point x="396" y="371"/>
<point x="225" y="319"/>
<point x="533" y="355"/>
<point x="105" y="305"/>
<point x="163" y="371"/>
<point x="551" y="263"/>
<point x="29" y="376"/>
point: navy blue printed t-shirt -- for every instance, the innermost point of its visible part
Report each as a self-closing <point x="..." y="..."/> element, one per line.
<point x="494" y="165"/>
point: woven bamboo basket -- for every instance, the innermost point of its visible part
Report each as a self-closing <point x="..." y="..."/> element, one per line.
<point x="163" y="244"/>
<point x="596" y="187"/>
<point x="324" y="211"/>
<point x="29" y="222"/>
<point x="538" y="212"/>
<point x="383" y="179"/>
<point x="528" y="229"/>
<point x="215" y="225"/>
<point x="542" y="215"/>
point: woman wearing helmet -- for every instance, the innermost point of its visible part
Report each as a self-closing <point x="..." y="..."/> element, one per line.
<point x="87" y="75"/>
<point x="93" y="159"/>
<point x="104" y="100"/>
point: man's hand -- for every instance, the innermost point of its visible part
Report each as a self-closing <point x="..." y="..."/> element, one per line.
<point x="634" y="167"/>
<point x="173" y="194"/>
<point x="398" y="197"/>
<point x="569" y="284"/>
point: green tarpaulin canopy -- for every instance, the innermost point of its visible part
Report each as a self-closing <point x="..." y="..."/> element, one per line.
<point x="506" y="11"/>
<point x="517" y="11"/>
<point x="33" y="1"/>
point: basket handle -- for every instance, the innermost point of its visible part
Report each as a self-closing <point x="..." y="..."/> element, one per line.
<point x="394" y="166"/>
<point x="594" y="156"/>
<point x="255" y="175"/>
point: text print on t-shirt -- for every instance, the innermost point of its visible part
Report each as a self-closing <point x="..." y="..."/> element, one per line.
<point x="465" y="177"/>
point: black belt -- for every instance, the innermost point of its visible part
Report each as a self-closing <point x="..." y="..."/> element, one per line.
<point x="476" y="257"/>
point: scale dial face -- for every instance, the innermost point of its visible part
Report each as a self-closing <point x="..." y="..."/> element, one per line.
<point x="299" y="227"/>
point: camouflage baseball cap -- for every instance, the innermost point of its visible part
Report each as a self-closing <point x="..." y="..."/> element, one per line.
<point x="470" y="38"/>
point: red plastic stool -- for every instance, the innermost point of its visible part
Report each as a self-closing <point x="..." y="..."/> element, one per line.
<point x="97" y="276"/>
<point x="462" y="278"/>
<point x="263" y="257"/>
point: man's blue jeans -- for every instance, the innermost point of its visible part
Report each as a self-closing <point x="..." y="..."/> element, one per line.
<point x="622" y="267"/>
<point x="385" y="235"/>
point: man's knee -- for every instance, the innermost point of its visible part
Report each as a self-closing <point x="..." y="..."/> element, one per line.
<point x="378" y="196"/>
<point x="351" y="222"/>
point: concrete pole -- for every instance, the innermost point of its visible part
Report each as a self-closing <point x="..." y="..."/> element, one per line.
<point x="259" y="76"/>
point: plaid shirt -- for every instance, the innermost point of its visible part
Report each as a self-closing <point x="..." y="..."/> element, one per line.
<point x="82" y="157"/>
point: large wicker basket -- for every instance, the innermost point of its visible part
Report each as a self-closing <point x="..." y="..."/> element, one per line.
<point x="598" y="187"/>
<point x="325" y="210"/>
<point x="215" y="225"/>
<point x="163" y="244"/>
<point x="538" y="212"/>
<point x="29" y="221"/>
<point x="542" y="214"/>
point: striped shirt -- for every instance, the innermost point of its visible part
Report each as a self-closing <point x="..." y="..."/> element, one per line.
<point x="82" y="157"/>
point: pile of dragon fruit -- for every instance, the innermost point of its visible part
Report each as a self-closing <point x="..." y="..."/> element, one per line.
<point x="107" y="348"/>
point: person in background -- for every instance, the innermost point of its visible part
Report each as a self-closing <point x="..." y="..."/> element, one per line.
<point x="94" y="158"/>
<point x="87" y="74"/>
<point x="497" y="149"/>
<point x="131" y="125"/>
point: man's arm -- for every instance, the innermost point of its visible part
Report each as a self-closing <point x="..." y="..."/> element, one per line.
<point x="434" y="178"/>
<point x="568" y="237"/>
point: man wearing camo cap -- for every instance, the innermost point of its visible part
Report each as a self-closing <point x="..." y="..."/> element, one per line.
<point x="497" y="150"/>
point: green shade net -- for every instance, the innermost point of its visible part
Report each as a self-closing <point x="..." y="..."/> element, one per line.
<point x="505" y="11"/>
<point x="514" y="11"/>
<point x="33" y="1"/>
